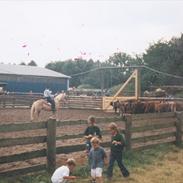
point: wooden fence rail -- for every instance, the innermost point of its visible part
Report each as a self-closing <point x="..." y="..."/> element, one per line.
<point x="141" y="131"/>
<point x="74" y="102"/>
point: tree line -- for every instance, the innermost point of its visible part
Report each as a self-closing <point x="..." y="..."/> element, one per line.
<point x="166" y="56"/>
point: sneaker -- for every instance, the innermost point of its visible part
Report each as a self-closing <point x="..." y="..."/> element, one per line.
<point x="126" y="174"/>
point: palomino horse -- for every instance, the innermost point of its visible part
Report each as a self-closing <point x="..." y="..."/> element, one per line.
<point x="42" y="104"/>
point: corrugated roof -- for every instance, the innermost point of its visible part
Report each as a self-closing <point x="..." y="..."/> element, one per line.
<point x="3" y="83"/>
<point x="29" y="70"/>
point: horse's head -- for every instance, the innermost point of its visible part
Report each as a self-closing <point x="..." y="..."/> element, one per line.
<point x="61" y="97"/>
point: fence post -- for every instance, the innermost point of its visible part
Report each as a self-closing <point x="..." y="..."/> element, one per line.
<point x="128" y="126"/>
<point x="51" y="145"/>
<point x="179" y="123"/>
<point x="13" y="102"/>
<point x="4" y="102"/>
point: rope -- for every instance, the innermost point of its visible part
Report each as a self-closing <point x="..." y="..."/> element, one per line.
<point x="163" y="73"/>
<point x="117" y="67"/>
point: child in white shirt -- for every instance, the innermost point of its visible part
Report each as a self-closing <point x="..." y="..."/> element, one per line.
<point x="62" y="174"/>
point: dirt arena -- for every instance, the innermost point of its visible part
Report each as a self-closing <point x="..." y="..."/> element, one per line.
<point x="23" y="115"/>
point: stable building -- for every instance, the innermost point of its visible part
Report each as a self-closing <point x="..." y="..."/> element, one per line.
<point x="22" y="78"/>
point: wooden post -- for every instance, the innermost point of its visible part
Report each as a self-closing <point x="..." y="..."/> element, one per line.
<point x="51" y="145"/>
<point x="4" y="102"/>
<point x="137" y="84"/>
<point x="103" y="102"/>
<point x="13" y="103"/>
<point x="133" y="75"/>
<point x="179" y="123"/>
<point x="128" y="126"/>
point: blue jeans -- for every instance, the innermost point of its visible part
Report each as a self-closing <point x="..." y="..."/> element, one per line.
<point x="116" y="157"/>
<point x="52" y="102"/>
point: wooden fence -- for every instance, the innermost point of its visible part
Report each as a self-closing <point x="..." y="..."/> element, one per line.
<point x="85" y="102"/>
<point x="17" y="101"/>
<point x="141" y="131"/>
<point x="74" y="102"/>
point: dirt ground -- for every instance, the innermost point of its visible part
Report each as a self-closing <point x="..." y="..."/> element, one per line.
<point x="23" y="115"/>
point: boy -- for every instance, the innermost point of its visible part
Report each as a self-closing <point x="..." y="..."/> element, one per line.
<point x="117" y="144"/>
<point x="91" y="131"/>
<point x="97" y="157"/>
<point x="61" y="174"/>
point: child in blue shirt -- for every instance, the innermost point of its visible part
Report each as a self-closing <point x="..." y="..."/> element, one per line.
<point x="97" y="157"/>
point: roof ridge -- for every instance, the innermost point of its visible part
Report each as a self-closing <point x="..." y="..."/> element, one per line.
<point x="29" y="70"/>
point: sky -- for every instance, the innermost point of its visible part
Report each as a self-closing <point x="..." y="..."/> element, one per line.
<point x="46" y="31"/>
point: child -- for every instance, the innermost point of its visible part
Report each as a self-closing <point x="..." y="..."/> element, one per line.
<point x="62" y="174"/>
<point x="91" y="131"/>
<point x="117" y="144"/>
<point x="97" y="156"/>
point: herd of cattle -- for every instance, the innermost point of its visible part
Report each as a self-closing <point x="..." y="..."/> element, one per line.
<point x="137" y="107"/>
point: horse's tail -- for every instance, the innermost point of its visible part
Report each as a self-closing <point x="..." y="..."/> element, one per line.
<point x="32" y="111"/>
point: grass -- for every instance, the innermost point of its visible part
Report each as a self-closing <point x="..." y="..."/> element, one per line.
<point x="162" y="164"/>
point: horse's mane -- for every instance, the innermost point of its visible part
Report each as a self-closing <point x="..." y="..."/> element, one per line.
<point x="60" y="96"/>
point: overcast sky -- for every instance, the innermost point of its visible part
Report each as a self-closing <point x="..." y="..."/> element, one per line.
<point x="47" y="31"/>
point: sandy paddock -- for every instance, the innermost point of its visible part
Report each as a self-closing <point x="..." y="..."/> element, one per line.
<point x="23" y="115"/>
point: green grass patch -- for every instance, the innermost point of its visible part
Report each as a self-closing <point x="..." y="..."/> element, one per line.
<point x="135" y="161"/>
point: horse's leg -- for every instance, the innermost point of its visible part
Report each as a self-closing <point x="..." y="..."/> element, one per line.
<point x="37" y="115"/>
<point x="175" y="108"/>
<point x="57" y="107"/>
<point x="32" y="112"/>
<point x="56" y="114"/>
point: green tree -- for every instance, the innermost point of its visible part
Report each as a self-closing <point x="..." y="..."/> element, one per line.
<point x="72" y="67"/>
<point x="22" y="63"/>
<point x="166" y="56"/>
<point x="32" y="63"/>
<point x="122" y="60"/>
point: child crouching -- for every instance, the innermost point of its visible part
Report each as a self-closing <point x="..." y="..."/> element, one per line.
<point x="97" y="157"/>
<point x="62" y="174"/>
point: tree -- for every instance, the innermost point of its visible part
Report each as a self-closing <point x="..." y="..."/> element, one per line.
<point x="32" y="63"/>
<point x="98" y="77"/>
<point x="166" y="56"/>
<point x="72" y="67"/>
<point x="22" y="63"/>
<point x="122" y="60"/>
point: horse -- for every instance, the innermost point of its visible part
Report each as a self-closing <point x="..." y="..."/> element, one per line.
<point x="166" y="106"/>
<point x="42" y="104"/>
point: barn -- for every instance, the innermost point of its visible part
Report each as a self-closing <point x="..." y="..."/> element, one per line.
<point x="21" y="78"/>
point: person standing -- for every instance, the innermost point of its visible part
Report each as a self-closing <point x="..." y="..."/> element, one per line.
<point x="117" y="145"/>
<point x="97" y="158"/>
<point x="91" y="131"/>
